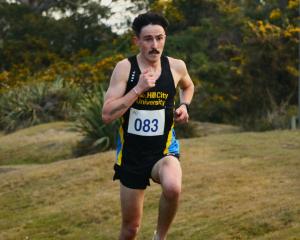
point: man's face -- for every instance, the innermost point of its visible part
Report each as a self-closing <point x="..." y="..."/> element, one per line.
<point x="151" y="42"/>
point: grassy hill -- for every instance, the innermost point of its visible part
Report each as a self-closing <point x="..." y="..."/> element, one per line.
<point x="235" y="186"/>
<point x="43" y="143"/>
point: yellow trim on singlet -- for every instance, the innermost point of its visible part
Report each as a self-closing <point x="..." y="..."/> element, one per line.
<point x="121" y="134"/>
<point x="169" y="140"/>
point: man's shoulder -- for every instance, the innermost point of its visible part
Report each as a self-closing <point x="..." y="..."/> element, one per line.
<point x="175" y="60"/>
<point x="123" y="64"/>
<point x="121" y="70"/>
<point x="177" y="64"/>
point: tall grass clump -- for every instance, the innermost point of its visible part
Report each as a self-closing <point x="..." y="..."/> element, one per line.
<point x="38" y="103"/>
<point x="98" y="136"/>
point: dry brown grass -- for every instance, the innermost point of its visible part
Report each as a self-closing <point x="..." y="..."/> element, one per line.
<point x="235" y="186"/>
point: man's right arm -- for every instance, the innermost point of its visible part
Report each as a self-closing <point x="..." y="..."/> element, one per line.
<point x="115" y="102"/>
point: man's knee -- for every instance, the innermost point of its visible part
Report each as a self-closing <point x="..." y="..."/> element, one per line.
<point x="130" y="229"/>
<point x="171" y="178"/>
<point x="172" y="191"/>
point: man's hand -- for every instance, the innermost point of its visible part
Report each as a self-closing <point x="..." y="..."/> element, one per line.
<point x="147" y="80"/>
<point x="181" y="114"/>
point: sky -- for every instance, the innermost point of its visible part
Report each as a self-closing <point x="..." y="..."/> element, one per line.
<point x="119" y="14"/>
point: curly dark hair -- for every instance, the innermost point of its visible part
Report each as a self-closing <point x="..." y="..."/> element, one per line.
<point x="147" y="18"/>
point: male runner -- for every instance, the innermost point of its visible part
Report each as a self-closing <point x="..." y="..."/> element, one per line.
<point x="141" y="93"/>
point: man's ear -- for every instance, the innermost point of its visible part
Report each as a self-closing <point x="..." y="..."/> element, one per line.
<point x="135" y="40"/>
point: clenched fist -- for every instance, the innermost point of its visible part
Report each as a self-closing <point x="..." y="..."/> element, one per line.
<point x="181" y="114"/>
<point x="147" y="80"/>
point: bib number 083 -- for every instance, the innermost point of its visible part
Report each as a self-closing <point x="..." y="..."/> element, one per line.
<point x="146" y="125"/>
<point x="146" y="122"/>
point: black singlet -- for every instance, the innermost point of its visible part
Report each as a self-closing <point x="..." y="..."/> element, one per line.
<point x="147" y="128"/>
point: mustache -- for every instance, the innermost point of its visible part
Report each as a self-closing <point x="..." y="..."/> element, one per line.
<point x="154" y="51"/>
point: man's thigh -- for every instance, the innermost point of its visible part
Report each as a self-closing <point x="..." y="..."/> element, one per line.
<point x="166" y="170"/>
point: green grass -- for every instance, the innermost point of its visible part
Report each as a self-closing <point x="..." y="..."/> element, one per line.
<point x="39" y="144"/>
<point x="235" y="186"/>
<point x="50" y="142"/>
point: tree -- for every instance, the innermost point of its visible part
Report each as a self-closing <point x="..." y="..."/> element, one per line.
<point x="31" y="36"/>
<point x="268" y="61"/>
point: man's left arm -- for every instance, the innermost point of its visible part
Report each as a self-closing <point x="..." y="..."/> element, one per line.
<point x="186" y="86"/>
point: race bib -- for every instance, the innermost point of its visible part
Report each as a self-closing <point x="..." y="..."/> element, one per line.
<point x="146" y="122"/>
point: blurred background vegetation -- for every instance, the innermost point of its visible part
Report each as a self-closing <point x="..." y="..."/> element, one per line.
<point x="56" y="58"/>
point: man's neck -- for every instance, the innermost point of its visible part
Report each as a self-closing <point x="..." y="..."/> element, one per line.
<point x="156" y="66"/>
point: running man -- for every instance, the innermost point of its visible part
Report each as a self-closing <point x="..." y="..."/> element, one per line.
<point x="141" y="92"/>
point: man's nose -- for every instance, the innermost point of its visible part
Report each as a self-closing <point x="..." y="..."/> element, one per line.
<point x="154" y="43"/>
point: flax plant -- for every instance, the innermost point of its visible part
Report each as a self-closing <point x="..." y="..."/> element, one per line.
<point x="98" y="136"/>
<point x="38" y="103"/>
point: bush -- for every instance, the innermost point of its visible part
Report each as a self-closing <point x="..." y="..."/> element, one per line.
<point x="98" y="136"/>
<point x="38" y="103"/>
<point x="83" y="74"/>
<point x="278" y="118"/>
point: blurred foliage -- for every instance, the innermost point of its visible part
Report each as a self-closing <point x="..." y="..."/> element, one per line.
<point x="35" y="39"/>
<point x="38" y="103"/>
<point x="83" y="73"/>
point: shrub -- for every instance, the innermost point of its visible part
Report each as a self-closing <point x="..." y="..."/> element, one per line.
<point x="98" y="136"/>
<point x="83" y="74"/>
<point x="38" y="103"/>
